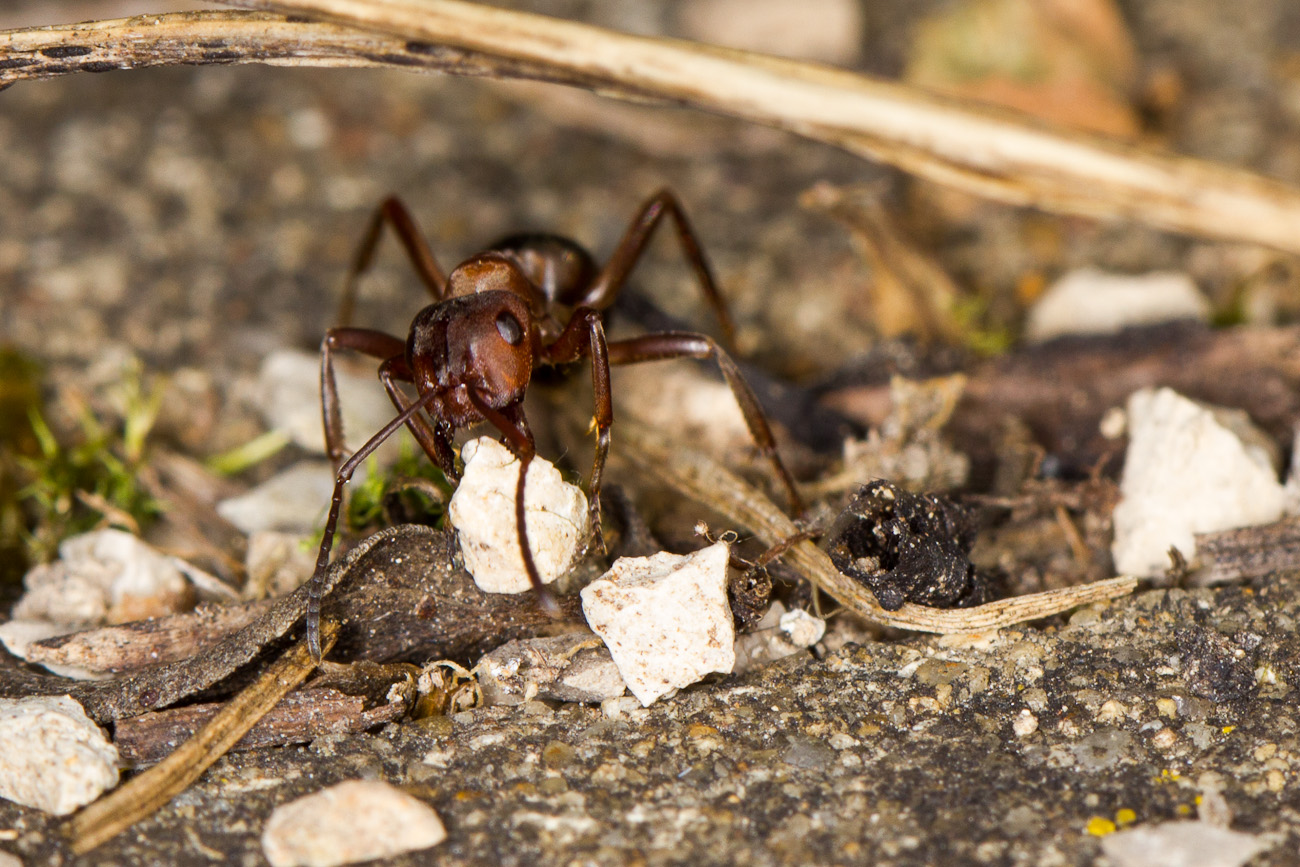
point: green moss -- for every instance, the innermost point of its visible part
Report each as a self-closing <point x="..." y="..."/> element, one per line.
<point x="80" y="479"/>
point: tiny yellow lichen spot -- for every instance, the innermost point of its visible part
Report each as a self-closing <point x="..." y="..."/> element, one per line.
<point x="1125" y="816"/>
<point x="1099" y="827"/>
<point x="1183" y="810"/>
<point x="1227" y="730"/>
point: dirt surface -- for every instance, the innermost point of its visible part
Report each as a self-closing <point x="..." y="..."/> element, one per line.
<point x="201" y="218"/>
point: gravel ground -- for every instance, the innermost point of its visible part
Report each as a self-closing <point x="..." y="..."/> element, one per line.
<point x="201" y="218"/>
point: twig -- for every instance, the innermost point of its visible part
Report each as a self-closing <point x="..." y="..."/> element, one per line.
<point x="988" y="152"/>
<point x="200" y="38"/>
<point x="702" y="480"/>
<point x="992" y="153"/>
<point x="148" y="792"/>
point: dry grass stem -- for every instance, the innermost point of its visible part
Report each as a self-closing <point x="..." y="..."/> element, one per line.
<point x="148" y="792"/>
<point x="988" y="152"/>
<point x="702" y="480"/>
<point x="991" y="153"/>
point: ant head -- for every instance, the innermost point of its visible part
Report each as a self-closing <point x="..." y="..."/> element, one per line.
<point x="484" y="341"/>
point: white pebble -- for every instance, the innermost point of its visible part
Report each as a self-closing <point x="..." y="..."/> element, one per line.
<point x="664" y="618"/>
<point x="293" y="501"/>
<point x="572" y="667"/>
<point x="288" y="394"/>
<point x="1183" y="844"/>
<point x="360" y="820"/>
<point x="1088" y="301"/>
<point x="780" y="633"/>
<point x="52" y="757"/>
<point x="801" y="628"/>
<point x="483" y="512"/>
<point x="106" y="576"/>
<point x="1025" y="724"/>
<point x="1189" y="469"/>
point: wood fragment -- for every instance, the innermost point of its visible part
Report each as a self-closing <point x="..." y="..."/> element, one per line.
<point x="141" y="796"/>
<point x="988" y="152"/>
<point x="1248" y="552"/>
<point x="133" y="646"/>
<point x="704" y="481"/>
<point x="299" y="718"/>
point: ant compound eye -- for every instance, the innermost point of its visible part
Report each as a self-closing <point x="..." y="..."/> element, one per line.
<point x="509" y="328"/>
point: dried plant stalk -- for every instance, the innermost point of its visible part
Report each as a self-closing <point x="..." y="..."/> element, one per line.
<point x="195" y="38"/>
<point x="985" y="151"/>
<point x="702" y="480"/>
<point x="988" y="152"/>
<point x="148" y="792"/>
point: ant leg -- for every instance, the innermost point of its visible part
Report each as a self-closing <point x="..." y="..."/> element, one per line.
<point x="373" y="343"/>
<point x="611" y="278"/>
<point x="316" y="587"/>
<point x="395" y="214"/>
<point x="585" y="335"/>
<point x="683" y="344"/>
<point x="514" y="427"/>
<point x="434" y="440"/>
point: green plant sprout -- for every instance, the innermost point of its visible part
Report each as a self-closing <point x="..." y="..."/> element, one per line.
<point x="78" y="485"/>
<point x="413" y="490"/>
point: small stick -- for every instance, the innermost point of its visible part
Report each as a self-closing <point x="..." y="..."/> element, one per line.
<point x="148" y="792"/>
<point x="706" y="482"/>
<point x="991" y="153"/>
<point x="984" y="151"/>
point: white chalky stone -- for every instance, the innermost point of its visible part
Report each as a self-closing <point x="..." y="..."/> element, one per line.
<point x="289" y="397"/>
<point x="483" y="512"/>
<point x="292" y="501"/>
<point x="1088" y="301"/>
<point x="105" y="575"/>
<point x="1183" y="844"/>
<point x="52" y="756"/>
<point x="360" y="820"/>
<point x="1185" y="472"/>
<point x="664" y="618"/>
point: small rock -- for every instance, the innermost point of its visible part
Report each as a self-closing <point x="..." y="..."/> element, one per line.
<point x="107" y="576"/>
<point x="778" y="634"/>
<point x="52" y="757"/>
<point x="1089" y="301"/>
<point x="360" y="820"/>
<point x="1182" y="844"/>
<point x="829" y="31"/>
<point x="293" y="501"/>
<point x="9" y="860"/>
<point x="1189" y="469"/>
<point x="664" y="618"/>
<point x="289" y="398"/>
<point x="573" y="667"/>
<point x="483" y="512"/>
<point x="277" y="564"/>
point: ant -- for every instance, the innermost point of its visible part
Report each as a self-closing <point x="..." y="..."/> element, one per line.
<point x="527" y="302"/>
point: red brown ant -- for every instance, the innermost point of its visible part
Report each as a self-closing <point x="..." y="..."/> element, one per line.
<point x="527" y="302"/>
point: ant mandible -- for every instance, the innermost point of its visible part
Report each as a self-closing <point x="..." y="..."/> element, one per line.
<point x="529" y="301"/>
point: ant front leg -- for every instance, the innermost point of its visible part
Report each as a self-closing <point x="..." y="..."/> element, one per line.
<point x="316" y="587"/>
<point x="434" y="440"/>
<point x="607" y="284"/>
<point x="395" y="214"/>
<point x="683" y="344"/>
<point x="585" y="336"/>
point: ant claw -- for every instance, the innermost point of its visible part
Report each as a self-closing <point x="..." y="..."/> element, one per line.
<point x="597" y="532"/>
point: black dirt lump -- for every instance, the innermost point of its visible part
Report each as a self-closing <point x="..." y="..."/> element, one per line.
<point x="908" y="548"/>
